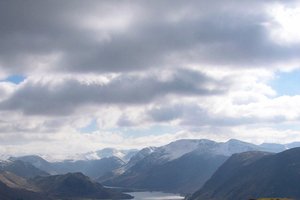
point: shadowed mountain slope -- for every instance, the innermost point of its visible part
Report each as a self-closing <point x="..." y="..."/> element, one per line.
<point x="255" y="175"/>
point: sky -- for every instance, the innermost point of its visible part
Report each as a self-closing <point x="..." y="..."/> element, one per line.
<point x="77" y="76"/>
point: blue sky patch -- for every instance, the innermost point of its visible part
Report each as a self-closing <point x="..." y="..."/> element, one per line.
<point x="91" y="127"/>
<point x="287" y="83"/>
<point x="16" y="79"/>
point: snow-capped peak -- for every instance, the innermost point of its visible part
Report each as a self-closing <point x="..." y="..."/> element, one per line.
<point x="234" y="146"/>
<point x="179" y="148"/>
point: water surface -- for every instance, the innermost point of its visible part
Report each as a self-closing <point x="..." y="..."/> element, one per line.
<point x="155" y="196"/>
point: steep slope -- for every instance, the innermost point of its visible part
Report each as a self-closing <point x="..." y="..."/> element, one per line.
<point x="23" y="169"/>
<point x="255" y="175"/>
<point x="181" y="166"/>
<point x="134" y="160"/>
<point x="183" y="175"/>
<point x="140" y="155"/>
<point x="14" y="181"/>
<point x="36" y="161"/>
<point x="7" y="193"/>
<point x="75" y="185"/>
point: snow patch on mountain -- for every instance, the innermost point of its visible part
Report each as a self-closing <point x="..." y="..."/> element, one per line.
<point x="179" y="148"/>
<point x="140" y="155"/>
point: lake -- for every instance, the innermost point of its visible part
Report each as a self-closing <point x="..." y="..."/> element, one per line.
<point x="155" y="196"/>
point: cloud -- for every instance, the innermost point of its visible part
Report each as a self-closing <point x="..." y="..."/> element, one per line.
<point x="50" y="37"/>
<point x="192" y="115"/>
<point x="64" y="97"/>
<point x="6" y="89"/>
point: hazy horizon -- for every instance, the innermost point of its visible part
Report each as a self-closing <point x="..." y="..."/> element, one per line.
<point x="78" y="76"/>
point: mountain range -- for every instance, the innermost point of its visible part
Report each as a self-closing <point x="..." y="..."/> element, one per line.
<point x="183" y="166"/>
<point x="91" y="168"/>
<point x="21" y="168"/>
<point x="161" y="168"/>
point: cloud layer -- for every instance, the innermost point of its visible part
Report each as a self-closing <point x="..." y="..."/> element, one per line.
<point x="110" y="36"/>
<point x="201" y="68"/>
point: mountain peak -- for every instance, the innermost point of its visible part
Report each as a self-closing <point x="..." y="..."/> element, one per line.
<point x="235" y="141"/>
<point x="179" y="148"/>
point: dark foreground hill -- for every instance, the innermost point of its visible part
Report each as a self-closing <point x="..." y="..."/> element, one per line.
<point x="75" y="185"/>
<point x="8" y="193"/>
<point x="255" y="175"/>
<point x="68" y="186"/>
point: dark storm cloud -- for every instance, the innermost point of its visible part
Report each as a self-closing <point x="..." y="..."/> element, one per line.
<point x="64" y="97"/>
<point x="218" y="32"/>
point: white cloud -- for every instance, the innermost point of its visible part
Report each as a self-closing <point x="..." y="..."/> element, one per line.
<point x="285" y="27"/>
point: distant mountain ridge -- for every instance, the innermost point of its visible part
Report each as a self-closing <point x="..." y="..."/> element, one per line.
<point x="91" y="168"/>
<point x="124" y="155"/>
<point x="93" y="164"/>
<point x="21" y="168"/>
